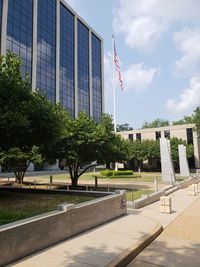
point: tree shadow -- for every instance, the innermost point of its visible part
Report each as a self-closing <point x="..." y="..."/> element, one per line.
<point x="169" y="252"/>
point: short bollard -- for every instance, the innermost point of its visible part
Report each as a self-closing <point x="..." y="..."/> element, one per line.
<point x="34" y="183"/>
<point x="166" y="204"/>
<point x="193" y="190"/>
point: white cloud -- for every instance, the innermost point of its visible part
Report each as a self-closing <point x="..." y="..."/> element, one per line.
<point x="144" y="22"/>
<point x="189" y="98"/>
<point x="138" y="77"/>
<point x="187" y="41"/>
<point x="135" y="77"/>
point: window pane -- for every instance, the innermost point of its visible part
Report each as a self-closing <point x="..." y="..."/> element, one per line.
<point x="83" y="68"/>
<point x="96" y="78"/>
<point x="19" y="31"/>
<point x="46" y="48"/>
<point x="67" y="59"/>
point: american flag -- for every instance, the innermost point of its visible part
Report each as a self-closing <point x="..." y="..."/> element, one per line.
<point x="116" y="60"/>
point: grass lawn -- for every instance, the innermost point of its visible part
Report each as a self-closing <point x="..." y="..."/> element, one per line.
<point x="17" y="205"/>
<point x="137" y="194"/>
<point x="136" y="177"/>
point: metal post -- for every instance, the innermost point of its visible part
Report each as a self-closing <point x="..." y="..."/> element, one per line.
<point x="155" y="184"/>
<point x="96" y="181"/>
<point x="51" y="180"/>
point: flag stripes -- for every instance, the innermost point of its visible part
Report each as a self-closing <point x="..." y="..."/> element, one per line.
<point x="116" y="60"/>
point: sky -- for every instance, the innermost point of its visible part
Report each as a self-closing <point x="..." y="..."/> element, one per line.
<point x="158" y="45"/>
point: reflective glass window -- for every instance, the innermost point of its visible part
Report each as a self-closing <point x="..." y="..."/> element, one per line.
<point x="96" y="78"/>
<point x="83" y="68"/>
<point x="19" y="31"/>
<point x="46" y="48"/>
<point x="67" y="59"/>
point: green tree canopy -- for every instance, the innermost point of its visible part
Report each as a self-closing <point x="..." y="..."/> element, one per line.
<point x="145" y="150"/>
<point x="185" y="120"/>
<point x="155" y="123"/>
<point x="124" y="127"/>
<point x="174" y="142"/>
<point x="88" y="144"/>
<point x="197" y="119"/>
<point x="30" y="126"/>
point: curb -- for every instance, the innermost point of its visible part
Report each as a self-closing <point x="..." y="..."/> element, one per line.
<point x="130" y="253"/>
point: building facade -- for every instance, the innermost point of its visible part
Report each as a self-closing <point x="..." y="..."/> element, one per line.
<point x="61" y="53"/>
<point x="185" y="132"/>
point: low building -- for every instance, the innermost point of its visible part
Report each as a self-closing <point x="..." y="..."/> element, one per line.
<point x="186" y="132"/>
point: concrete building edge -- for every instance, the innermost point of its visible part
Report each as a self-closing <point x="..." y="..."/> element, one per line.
<point x="128" y="255"/>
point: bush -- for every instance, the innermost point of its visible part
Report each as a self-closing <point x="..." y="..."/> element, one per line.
<point x="109" y="173"/>
<point x="127" y="172"/>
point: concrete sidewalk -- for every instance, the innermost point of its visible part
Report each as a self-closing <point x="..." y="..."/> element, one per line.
<point x="178" y="245"/>
<point x="109" y="244"/>
<point x="97" y="247"/>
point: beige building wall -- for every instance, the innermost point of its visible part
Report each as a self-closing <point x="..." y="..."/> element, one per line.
<point x="179" y="131"/>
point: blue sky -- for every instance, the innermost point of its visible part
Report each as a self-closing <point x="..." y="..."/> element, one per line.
<point x="158" y="44"/>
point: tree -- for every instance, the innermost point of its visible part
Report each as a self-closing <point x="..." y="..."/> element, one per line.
<point x="197" y="119"/>
<point x="30" y="126"/>
<point x="138" y="153"/>
<point x="124" y="127"/>
<point x="153" y="150"/>
<point x="174" y="142"/>
<point x="155" y="124"/>
<point x="185" y="120"/>
<point x="145" y="150"/>
<point x="87" y="144"/>
<point x="19" y="160"/>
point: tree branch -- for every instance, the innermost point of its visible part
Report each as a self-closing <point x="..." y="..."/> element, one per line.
<point x="88" y="167"/>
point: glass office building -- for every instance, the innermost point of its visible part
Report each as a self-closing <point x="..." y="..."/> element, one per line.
<point x="60" y="52"/>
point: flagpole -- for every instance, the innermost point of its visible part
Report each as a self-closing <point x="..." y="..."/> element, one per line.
<point x="114" y="91"/>
<point x="114" y="96"/>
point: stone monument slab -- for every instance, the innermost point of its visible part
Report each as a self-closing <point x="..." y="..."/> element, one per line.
<point x="183" y="163"/>
<point x="168" y="174"/>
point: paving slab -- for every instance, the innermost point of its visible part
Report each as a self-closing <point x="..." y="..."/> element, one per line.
<point x="97" y="247"/>
<point x="178" y="245"/>
<point x="180" y="201"/>
<point x="121" y="240"/>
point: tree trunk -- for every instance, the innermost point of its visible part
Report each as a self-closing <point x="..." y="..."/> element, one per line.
<point x="74" y="175"/>
<point x="20" y="171"/>
<point x="74" y="181"/>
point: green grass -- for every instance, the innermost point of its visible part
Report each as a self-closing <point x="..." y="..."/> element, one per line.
<point x="136" y="177"/>
<point x="17" y="205"/>
<point x="137" y="194"/>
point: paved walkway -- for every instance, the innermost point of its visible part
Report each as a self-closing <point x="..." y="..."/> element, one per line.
<point x="178" y="245"/>
<point x="104" y="244"/>
<point x="97" y="247"/>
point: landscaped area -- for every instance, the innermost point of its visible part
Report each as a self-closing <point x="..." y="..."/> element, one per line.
<point x="136" y="177"/>
<point x="17" y="205"/>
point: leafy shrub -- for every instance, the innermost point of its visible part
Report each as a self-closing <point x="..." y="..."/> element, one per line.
<point x="127" y="172"/>
<point x="109" y="173"/>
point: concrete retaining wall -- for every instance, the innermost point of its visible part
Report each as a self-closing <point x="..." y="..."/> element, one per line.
<point x="27" y="236"/>
<point x="187" y="182"/>
<point x="146" y="200"/>
<point x="151" y="198"/>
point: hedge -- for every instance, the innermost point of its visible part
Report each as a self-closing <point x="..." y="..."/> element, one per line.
<point x="109" y="173"/>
